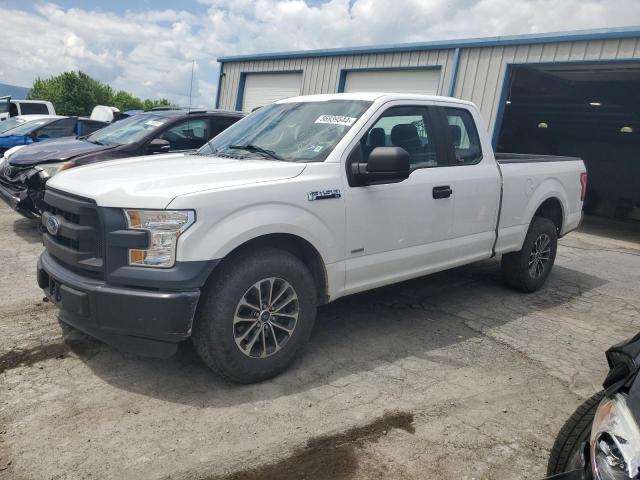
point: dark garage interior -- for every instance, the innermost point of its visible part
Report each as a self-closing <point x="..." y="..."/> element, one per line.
<point x="586" y="110"/>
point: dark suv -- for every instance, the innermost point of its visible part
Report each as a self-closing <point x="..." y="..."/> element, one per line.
<point x="23" y="175"/>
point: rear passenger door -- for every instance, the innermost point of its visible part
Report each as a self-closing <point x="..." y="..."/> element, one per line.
<point x="399" y="230"/>
<point x="475" y="185"/>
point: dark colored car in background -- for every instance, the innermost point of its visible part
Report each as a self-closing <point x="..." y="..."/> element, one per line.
<point x="24" y="174"/>
<point x="47" y="128"/>
<point x="601" y="440"/>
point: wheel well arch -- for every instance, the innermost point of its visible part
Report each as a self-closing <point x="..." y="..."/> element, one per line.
<point x="295" y="245"/>
<point x="551" y="209"/>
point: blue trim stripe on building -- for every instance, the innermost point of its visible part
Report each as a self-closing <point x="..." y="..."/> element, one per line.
<point x="220" y="75"/>
<point x="538" y="38"/>
<point x="454" y="72"/>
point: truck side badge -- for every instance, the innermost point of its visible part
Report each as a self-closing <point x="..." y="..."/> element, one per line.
<point x="324" y="194"/>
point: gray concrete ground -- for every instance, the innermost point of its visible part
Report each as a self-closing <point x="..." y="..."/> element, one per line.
<point x="448" y="376"/>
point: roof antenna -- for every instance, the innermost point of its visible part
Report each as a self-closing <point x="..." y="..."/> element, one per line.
<point x="191" y="87"/>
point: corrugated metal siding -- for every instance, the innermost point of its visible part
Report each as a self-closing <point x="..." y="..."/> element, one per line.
<point x="482" y="70"/>
<point x="322" y="74"/>
<point x="480" y="74"/>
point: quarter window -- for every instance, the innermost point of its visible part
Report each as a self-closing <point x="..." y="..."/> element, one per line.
<point x="405" y="127"/>
<point x="464" y="136"/>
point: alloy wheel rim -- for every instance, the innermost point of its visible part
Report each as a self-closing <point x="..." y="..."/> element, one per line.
<point x="540" y="255"/>
<point x="266" y="317"/>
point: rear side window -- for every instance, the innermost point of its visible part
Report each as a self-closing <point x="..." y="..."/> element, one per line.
<point x="87" y="127"/>
<point x="57" y="129"/>
<point x="464" y="136"/>
<point x="221" y="124"/>
<point x="33" y="109"/>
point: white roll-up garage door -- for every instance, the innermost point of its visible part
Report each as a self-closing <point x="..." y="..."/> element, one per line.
<point x="394" y="81"/>
<point x="261" y="89"/>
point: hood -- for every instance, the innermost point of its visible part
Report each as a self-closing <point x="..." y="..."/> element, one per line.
<point x="55" y="150"/>
<point x="154" y="181"/>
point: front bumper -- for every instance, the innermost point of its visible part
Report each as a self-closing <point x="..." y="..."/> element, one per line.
<point x="142" y="321"/>
<point x="17" y="195"/>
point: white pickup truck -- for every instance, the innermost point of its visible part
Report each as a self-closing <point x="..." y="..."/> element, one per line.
<point x="300" y="203"/>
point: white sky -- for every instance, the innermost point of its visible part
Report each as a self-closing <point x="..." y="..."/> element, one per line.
<point x="148" y="52"/>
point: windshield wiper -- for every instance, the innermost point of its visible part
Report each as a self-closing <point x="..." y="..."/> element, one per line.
<point x="257" y="149"/>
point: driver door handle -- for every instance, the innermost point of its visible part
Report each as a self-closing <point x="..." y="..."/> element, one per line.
<point x="443" y="191"/>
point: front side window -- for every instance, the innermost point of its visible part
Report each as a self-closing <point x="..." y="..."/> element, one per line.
<point x="187" y="135"/>
<point x="406" y="127"/>
<point x="58" y="129"/>
<point x="293" y="132"/>
<point x="463" y="136"/>
<point x="4" y="104"/>
<point x="129" y="130"/>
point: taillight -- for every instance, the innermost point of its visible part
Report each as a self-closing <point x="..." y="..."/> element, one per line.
<point x="583" y="184"/>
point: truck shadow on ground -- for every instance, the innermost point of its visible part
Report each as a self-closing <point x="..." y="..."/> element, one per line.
<point x="28" y="230"/>
<point x="355" y="334"/>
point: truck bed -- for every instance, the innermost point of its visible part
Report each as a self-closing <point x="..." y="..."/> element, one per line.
<point x="532" y="158"/>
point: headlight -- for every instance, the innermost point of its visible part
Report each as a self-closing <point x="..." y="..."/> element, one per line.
<point x="164" y="227"/>
<point x="50" y="169"/>
<point x="615" y="441"/>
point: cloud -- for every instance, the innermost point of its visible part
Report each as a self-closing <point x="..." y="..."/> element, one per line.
<point x="150" y="53"/>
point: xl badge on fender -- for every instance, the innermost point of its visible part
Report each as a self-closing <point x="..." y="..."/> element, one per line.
<point x="324" y="194"/>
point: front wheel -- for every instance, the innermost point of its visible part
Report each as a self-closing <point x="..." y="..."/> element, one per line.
<point x="566" y="454"/>
<point x="255" y="315"/>
<point x="528" y="269"/>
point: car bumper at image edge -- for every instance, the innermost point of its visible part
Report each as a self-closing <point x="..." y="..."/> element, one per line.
<point x="140" y="321"/>
<point x="14" y="202"/>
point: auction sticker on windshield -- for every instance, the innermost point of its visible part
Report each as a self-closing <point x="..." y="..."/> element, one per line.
<point x="336" y="120"/>
<point x="153" y="123"/>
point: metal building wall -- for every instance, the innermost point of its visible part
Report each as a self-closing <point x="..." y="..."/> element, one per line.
<point x="322" y="74"/>
<point x="480" y="73"/>
<point x="482" y="70"/>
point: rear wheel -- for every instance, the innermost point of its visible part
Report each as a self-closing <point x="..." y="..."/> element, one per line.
<point x="255" y="315"/>
<point x="528" y="269"/>
<point x="566" y="454"/>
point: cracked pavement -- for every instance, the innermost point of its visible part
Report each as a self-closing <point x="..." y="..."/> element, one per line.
<point x="487" y="375"/>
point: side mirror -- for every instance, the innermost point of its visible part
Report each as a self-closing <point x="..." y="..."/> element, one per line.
<point x="158" y="145"/>
<point x="385" y="165"/>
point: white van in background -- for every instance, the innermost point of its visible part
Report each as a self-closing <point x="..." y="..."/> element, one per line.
<point x="13" y="108"/>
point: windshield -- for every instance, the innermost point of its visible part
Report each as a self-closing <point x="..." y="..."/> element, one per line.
<point x="294" y="132"/>
<point x="26" y="128"/>
<point x="127" y="131"/>
<point x="11" y="123"/>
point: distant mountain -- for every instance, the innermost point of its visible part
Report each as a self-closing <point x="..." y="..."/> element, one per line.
<point x="19" y="93"/>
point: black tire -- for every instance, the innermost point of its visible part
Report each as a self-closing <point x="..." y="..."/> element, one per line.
<point x="214" y="334"/>
<point x="566" y="449"/>
<point x="515" y="266"/>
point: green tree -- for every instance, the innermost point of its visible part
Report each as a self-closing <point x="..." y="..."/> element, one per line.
<point x="76" y="93"/>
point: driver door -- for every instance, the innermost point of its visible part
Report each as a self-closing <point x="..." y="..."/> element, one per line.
<point x="400" y="230"/>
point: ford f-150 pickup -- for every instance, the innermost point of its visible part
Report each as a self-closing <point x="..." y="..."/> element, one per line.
<point x="300" y="203"/>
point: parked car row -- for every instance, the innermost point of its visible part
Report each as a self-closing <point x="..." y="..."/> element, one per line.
<point x="26" y="171"/>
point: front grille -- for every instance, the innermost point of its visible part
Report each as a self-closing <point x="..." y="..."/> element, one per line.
<point x="73" y="233"/>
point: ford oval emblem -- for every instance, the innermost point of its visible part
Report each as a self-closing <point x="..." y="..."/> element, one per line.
<point x="53" y="225"/>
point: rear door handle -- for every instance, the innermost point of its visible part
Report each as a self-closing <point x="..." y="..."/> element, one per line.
<point x="442" y="191"/>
